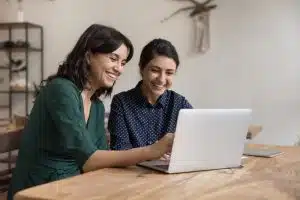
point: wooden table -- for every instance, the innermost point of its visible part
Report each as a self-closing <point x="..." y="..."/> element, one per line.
<point x="260" y="179"/>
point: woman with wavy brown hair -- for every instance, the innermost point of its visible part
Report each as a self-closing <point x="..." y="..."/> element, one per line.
<point x="65" y="135"/>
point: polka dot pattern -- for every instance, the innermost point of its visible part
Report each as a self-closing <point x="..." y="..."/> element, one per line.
<point x="133" y="122"/>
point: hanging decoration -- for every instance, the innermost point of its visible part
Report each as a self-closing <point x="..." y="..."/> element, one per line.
<point x="200" y="13"/>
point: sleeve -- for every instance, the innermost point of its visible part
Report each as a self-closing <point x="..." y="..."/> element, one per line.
<point x="119" y="135"/>
<point x="102" y="142"/>
<point x="186" y="104"/>
<point x="62" y="102"/>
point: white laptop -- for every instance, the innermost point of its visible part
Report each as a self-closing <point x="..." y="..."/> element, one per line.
<point x="206" y="139"/>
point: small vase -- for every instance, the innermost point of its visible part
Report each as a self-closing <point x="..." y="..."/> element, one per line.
<point x="20" y="16"/>
<point x="20" y="11"/>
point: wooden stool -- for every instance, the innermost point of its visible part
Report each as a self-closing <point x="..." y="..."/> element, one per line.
<point x="10" y="136"/>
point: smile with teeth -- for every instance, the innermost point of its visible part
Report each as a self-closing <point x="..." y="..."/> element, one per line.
<point x="159" y="87"/>
<point x="112" y="75"/>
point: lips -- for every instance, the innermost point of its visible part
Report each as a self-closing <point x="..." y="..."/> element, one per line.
<point x="158" y="87"/>
<point x="112" y="76"/>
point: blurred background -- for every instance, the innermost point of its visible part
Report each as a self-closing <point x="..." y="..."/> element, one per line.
<point x="252" y="61"/>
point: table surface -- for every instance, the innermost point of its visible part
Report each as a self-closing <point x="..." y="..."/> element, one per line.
<point x="259" y="179"/>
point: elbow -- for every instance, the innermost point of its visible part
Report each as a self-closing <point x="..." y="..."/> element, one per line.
<point x="87" y="168"/>
<point x="98" y="160"/>
<point x="90" y="164"/>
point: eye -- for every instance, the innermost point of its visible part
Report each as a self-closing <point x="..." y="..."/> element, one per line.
<point x="113" y="58"/>
<point x="170" y="73"/>
<point x="154" y="70"/>
<point x="123" y="63"/>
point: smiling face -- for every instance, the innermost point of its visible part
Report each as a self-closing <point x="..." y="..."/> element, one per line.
<point x="106" y="68"/>
<point x="157" y="77"/>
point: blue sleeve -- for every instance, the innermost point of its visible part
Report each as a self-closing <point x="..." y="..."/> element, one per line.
<point x="119" y="135"/>
<point x="186" y="104"/>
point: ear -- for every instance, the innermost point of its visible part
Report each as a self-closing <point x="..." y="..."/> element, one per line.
<point x="88" y="57"/>
<point x="140" y="71"/>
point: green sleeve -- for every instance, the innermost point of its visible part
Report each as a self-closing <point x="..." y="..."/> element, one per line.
<point x="102" y="142"/>
<point x="63" y="105"/>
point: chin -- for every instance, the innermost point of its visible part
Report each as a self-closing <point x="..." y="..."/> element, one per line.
<point x="108" y="83"/>
<point x="158" y="93"/>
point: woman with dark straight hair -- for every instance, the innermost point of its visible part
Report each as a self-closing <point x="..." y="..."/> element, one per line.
<point x="64" y="135"/>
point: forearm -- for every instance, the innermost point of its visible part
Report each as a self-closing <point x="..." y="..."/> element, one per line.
<point x="102" y="159"/>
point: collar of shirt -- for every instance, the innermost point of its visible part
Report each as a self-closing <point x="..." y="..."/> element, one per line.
<point x="161" y="101"/>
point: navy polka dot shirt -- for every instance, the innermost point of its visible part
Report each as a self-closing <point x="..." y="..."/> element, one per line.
<point x="134" y="122"/>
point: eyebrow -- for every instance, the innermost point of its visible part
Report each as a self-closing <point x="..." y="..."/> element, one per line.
<point x="156" y="67"/>
<point x="171" y="70"/>
<point x="114" y="54"/>
<point x="118" y="56"/>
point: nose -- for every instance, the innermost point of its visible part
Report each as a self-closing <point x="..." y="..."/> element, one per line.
<point x="162" y="77"/>
<point x="119" y="67"/>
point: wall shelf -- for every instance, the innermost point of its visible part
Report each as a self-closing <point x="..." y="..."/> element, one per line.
<point x="21" y="49"/>
<point x="25" y="50"/>
<point x="16" y="91"/>
<point x="18" y="25"/>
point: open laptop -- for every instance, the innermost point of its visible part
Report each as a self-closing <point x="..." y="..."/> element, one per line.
<point x="206" y="139"/>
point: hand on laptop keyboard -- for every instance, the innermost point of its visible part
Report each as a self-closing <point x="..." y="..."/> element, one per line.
<point x="166" y="156"/>
<point x="162" y="146"/>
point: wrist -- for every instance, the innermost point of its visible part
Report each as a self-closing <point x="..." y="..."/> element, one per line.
<point x="150" y="152"/>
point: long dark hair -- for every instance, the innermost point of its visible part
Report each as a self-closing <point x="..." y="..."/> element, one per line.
<point x="95" y="39"/>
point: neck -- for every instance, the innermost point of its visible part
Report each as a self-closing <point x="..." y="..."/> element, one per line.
<point x="88" y="93"/>
<point x="89" y="90"/>
<point x="150" y="97"/>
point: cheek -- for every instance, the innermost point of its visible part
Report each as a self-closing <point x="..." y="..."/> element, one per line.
<point x="169" y="82"/>
<point x="97" y="71"/>
<point x="149" y="77"/>
<point x="94" y="67"/>
<point x="98" y="66"/>
<point x="153" y="77"/>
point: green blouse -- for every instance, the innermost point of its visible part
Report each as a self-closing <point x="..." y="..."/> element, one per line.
<point x="57" y="141"/>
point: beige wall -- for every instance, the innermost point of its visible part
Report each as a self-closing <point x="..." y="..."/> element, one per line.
<point x="253" y="61"/>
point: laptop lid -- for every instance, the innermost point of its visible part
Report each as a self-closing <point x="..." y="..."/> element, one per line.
<point x="207" y="139"/>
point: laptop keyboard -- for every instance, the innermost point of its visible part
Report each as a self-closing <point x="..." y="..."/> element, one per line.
<point x="162" y="166"/>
